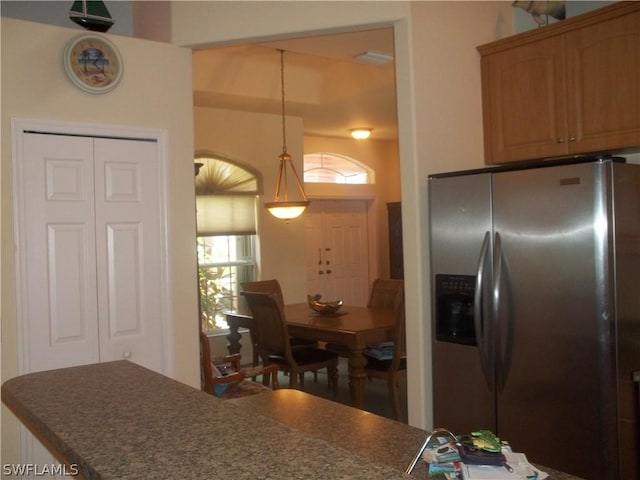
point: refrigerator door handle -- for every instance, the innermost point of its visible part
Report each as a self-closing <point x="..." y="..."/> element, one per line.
<point x="503" y="339"/>
<point x="481" y="323"/>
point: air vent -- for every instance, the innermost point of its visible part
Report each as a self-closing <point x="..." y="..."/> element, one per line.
<point x="375" y="58"/>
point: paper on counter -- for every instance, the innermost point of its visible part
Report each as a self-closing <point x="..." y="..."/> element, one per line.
<point x="522" y="470"/>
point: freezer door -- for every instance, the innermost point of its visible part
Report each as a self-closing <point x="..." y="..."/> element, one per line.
<point x="554" y="374"/>
<point x="460" y="221"/>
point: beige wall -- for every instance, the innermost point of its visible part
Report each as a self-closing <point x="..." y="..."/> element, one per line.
<point x="439" y="108"/>
<point x="256" y="140"/>
<point x="439" y="118"/>
<point x="155" y="92"/>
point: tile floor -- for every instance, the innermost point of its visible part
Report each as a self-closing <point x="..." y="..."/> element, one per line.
<point x="376" y="396"/>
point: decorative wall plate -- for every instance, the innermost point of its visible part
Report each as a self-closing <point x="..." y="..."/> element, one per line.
<point x="93" y="63"/>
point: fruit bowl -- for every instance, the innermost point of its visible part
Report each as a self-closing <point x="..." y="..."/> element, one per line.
<point x="323" y="308"/>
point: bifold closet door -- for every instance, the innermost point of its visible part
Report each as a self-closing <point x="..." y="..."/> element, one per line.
<point x="59" y="287"/>
<point x="128" y="246"/>
<point x="91" y="285"/>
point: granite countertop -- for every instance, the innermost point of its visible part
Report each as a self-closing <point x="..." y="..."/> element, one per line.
<point x="119" y="420"/>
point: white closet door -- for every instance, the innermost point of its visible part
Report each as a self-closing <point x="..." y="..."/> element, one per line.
<point x="128" y="240"/>
<point x="59" y="285"/>
<point x="92" y="250"/>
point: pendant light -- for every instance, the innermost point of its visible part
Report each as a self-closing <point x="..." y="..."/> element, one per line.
<point x="282" y="207"/>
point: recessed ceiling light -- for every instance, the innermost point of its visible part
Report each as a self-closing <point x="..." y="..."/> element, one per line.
<point x="361" y="133"/>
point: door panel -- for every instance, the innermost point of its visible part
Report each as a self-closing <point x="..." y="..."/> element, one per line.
<point x="603" y="69"/>
<point x="337" y="246"/>
<point x="129" y="237"/>
<point x="59" y="243"/>
<point x="553" y="315"/>
<point x="460" y="217"/>
<point x="314" y="248"/>
<point x="524" y="92"/>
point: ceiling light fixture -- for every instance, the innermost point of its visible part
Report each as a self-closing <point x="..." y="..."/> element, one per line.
<point x="284" y="208"/>
<point x="361" y="133"/>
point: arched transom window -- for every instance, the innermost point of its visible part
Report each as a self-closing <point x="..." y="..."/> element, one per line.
<point x="326" y="167"/>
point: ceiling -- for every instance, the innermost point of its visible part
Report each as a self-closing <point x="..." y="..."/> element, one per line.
<point x="324" y="84"/>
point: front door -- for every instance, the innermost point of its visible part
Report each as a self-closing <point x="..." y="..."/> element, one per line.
<point x="337" y="250"/>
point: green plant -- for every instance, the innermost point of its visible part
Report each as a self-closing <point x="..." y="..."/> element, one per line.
<point x="215" y="295"/>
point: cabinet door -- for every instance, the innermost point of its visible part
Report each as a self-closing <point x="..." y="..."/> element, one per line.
<point x="524" y="102"/>
<point x="603" y="71"/>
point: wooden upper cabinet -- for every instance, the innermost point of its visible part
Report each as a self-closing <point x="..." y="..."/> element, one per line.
<point x="569" y="88"/>
<point x="524" y="101"/>
<point x="603" y="72"/>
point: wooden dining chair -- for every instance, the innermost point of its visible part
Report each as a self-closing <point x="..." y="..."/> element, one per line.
<point x="384" y="294"/>
<point x="273" y="287"/>
<point x="275" y="347"/>
<point x="225" y="378"/>
<point x="391" y="368"/>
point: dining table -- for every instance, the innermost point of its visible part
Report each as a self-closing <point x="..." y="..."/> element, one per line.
<point x="352" y="327"/>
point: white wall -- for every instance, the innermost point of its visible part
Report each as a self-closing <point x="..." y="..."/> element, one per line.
<point x="439" y="107"/>
<point x="155" y="92"/>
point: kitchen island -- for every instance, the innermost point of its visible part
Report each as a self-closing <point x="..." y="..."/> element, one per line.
<point x="118" y="420"/>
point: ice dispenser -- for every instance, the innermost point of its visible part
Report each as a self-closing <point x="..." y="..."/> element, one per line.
<point x="454" y="309"/>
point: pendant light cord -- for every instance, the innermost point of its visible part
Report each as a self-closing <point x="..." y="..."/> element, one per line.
<point x="284" y="134"/>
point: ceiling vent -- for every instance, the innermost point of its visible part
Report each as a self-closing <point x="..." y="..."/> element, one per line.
<point x="375" y="58"/>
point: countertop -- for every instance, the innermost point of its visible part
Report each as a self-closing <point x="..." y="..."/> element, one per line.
<point x="118" y="420"/>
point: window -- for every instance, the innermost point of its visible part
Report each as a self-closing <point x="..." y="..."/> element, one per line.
<point x="224" y="262"/>
<point x="335" y="168"/>
<point x="226" y="223"/>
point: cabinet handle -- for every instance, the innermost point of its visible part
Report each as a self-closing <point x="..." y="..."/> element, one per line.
<point x="320" y="272"/>
<point x="572" y="139"/>
<point x="560" y="140"/>
<point x="328" y="271"/>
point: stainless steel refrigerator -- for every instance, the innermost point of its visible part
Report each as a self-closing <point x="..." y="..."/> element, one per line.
<point x="536" y="310"/>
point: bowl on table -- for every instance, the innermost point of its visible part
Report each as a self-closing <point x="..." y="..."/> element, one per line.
<point x="323" y="308"/>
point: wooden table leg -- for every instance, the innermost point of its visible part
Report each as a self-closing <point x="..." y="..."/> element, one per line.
<point x="357" y="377"/>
